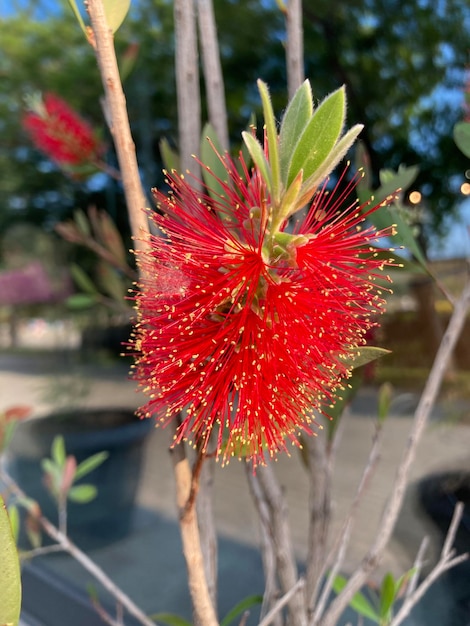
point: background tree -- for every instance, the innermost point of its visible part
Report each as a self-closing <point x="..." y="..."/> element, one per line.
<point x="403" y="66"/>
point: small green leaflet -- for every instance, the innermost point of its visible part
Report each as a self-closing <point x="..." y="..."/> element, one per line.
<point x="10" y="581"/>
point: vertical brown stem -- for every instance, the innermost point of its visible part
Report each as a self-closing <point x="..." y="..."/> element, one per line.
<point x="103" y="42"/>
<point x="295" y="46"/>
<point x="320" y="478"/>
<point x="274" y="500"/>
<point x="213" y="77"/>
<point x="204" y="613"/>
<point x="187" y="84"/>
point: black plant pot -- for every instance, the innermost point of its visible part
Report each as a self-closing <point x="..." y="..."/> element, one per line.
<point x="109" y="516"/>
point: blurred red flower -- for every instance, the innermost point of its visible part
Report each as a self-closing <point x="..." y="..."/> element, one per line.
<point x="246" y="331"/>
<point x="60" y="133"/>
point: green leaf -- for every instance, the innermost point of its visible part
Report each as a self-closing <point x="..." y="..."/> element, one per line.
<point x="387" y="216"/>
<point x="332" y="160"/>
<point x="241" y="607"/>
<point x="82" y="280"/>
<point x="387" y="596"/>
<point x="319" y="137"/>
<point x="116" y="11"/>
<point x="210" y="151"/>
<point x="296" y="117"/>
<point x="343" y="398"/>
<point x="363" y="355"/>
<point x="78" y="15"/>
<point x="169" y="619"/>
<point x="79" y="301"/>
<point x="14" y="516"/>
<point x="10" y="581"/>
<point x="359" y="602"/>
<point x="58" y="450"/>
<point x="462" y="137"/>
<point x="111" y="281"/>
<point x="89" y="464"/>
<point x="384" y="401"/>
<point x="82" y="494"/>
<point x="82" y="223"/>
<point x="170" y="157"/>
<point x="257" y="154"/>
<point x="271" y="133"/>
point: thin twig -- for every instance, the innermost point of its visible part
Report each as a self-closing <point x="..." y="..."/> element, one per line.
<point x="213" y="76"/>
<point x="339" y="549"/>
<point x="68" y="546"/>
<point x="206" y="522"/>
<point x="187" y="84"/>
<point x="294" y="46"/>
<point x="417" y="567"/>
<point x="320" y="483"/>
<point x="119" y="122"/>
<point x="271" y="591"/>
<point x="446" y="561"/>
<point x="202" y="603"/>
<point x="393" y="506"/>
<point x="281" y="603"/>
<point x="280" y="536"/>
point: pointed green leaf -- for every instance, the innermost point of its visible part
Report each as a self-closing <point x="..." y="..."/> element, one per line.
<point x="78" y="301"/>
<point x="10" y="581"/>
<point x="391" y="181"/>
<point x="387" y="216"/>
<point x="78" y="15"/>
<point x="82" y="494"/>
<point x="82" y="280"/>
<point x="387" y="596"/>
<point x="363" y="355"/>
<point x="82" y="223"/>
<point x="272" y="137"/>
<point x="116" y="11"/>
<point x="89" y="464"/>
<point x="170" y="157"/>
<point x="296" y="118"/>
<point x="14" y="516"/>
<point x="359" y="602"/>
<point x="320" y="136"/>
<point x="335" y="156"/>
<point x="462" y="137"/>
<point x="211" y="153"/>
<point x="384" y="401"/>
<point x="240" y="608"/>
<point x="58" y="450"/>
<point x="257" y="154"/>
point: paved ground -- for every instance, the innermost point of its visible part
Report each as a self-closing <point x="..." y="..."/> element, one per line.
<point x="445" y="445"/>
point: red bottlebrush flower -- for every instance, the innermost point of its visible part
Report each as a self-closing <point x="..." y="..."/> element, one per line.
<point x="59" y="132"/>
<point x="245" y="331"/>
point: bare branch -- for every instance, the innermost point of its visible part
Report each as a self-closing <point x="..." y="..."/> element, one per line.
<point x="417" y="567"/>
<point x="213" y="77"/>
<point x="446" y="561"/>
<point x="294" y="591"/>
<point x="294" y="47"/>
<point x="187" y="84"/>
<point x="393" y="506"/>
<point x="204" y="611"/>
<point x="320" y="478"/>
<point x="339" y="549"/>
<point x="119" y="122"/>
<point x="68" y="546"/>
<point x="281" y="540"/>
<point x="271" y="591"/>
<point x="207" y="530"/>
